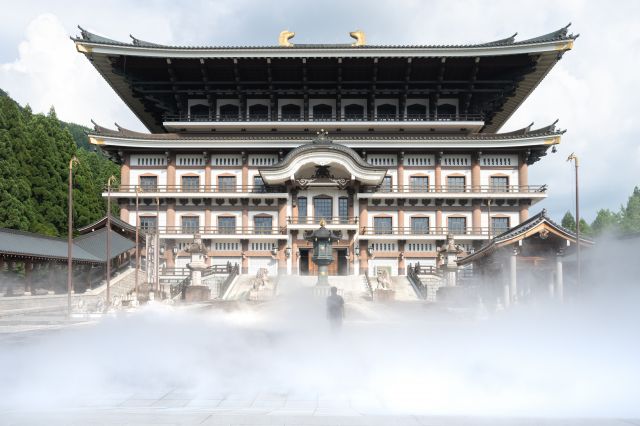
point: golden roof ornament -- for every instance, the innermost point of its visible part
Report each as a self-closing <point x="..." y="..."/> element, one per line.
<point x="322" y="222"/>
<point x="285" y="36"/>
<point x="358" y="35"/>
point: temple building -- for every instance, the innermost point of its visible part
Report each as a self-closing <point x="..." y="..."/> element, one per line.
<point x="395" y="147"/>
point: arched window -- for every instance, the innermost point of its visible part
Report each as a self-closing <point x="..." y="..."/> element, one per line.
<point x="322" y="112"/>
<point x="291" y="112"/>
<point x="386" y="112"/>
<point x="259" y="112"/>
<point x="447" y="111"/>
<point x="199" y="113"/>
<point x="416" y="112"/>
<point x="353" y="112"/>
<point x="229" y="112"/>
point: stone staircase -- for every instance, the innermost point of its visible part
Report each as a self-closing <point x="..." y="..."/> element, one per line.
<point x="404" y="290"/>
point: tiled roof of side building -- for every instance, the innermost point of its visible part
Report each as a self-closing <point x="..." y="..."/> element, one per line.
<point x="96" y="244"/>
<point x="557" y="35"/>
<point x="21" y="243"/>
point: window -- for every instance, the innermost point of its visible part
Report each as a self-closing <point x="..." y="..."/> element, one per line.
<point x="419" y="183"/>
<point x="386" y="184"/>
<point x="416" y="112"/>
<point x="148" y="223"/>
<point x="457" y="225"/>
<point x="258" y="184"/>
<point x="419" y="225"/>
<point x="291" y="112"/>
<point x="386" y="112"/>
<point x="499" y="183"/>
<point x="322" y="112"/>
<point x="190" y="224"/>
<point x="149" y="183"/>
<point x="353" y="112"/>
<point x="499" y="225"/>
<point x="382" y="225"/>
<point x="343" y="209"/>
<point x="323" y="208"/>
<point x="447" y="111"/>
<point x="226" y="224"/>
<point x="259" y="112"/>
<point x="262" y="224"/>
<point x="199" y="113"/>
<point x="190" y="183"/>
<point x="229" y="112"/>
<point x="226" y="183"/>
<point x="455" y="183"/>
<point x="302" y="207"/>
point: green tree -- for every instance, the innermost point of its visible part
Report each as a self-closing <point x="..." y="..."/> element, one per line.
<point x="605" y="221"/>
<point x="569" y="222"/>
<point x="630" y="221"/>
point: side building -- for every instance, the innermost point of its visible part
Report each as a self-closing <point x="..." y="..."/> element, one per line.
<point x="394" y="146"/>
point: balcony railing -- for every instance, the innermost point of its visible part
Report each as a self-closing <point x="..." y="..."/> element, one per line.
<point x="207" y="189"/>
<point x="321" y="117"/>
<point x="487" y="189"/>
<point x="217" y="230"/>
<point x="474" y="231"/>
<point x="311" y="220"/>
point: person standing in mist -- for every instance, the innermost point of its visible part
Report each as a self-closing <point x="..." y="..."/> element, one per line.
<point x="335" y="309"/>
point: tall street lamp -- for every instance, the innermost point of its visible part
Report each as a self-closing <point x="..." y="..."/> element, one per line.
<point x="109" y="183"/>
<point x="72" y="162"/>
<point x="573" y="157"/>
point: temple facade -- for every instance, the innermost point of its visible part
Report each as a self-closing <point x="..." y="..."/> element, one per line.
<point x="395" y="147"/>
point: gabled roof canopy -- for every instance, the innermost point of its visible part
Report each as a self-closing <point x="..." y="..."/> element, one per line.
<point x="491" y="79"/>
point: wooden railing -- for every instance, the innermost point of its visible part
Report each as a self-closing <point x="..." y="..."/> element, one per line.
<point x="485" y="189"/>
<point x="319" y="117"/>
<point x="215" y="230"/>
<point x="443" y="230"/>
<point x="205" y="189"/>
<point x="312" y="220"/>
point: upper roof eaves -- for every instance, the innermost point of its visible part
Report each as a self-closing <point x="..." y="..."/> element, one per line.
<point x="559" y="35"/>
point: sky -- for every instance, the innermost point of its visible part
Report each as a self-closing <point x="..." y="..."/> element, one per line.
<point x="592" y="90"/>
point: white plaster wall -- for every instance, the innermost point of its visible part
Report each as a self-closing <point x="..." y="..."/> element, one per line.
<point x="256" y="263"/>
<point x="134" y="174"/>
<point x="374" y="263"/>
<point x="216" y="260"/>
<point x="182" y="261"/>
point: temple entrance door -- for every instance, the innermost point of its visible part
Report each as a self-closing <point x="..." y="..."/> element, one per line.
<point x="304" y="261"/>
<point x="341" y="261"/>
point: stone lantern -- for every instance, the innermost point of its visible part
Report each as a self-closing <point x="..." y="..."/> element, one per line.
<point x="196" y="291"/>
<point x="322" y="240"/>
<point x="449" y="253"/>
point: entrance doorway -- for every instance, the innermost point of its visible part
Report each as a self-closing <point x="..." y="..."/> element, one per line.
<point x="342" y="261"/>
<point x="304" y="261"/>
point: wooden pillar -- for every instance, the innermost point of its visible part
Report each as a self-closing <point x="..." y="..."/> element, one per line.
<point x="28" y="267"/>
<point x="125" y="176"/>
<point x="400" y="215"/>
<point x="168" y="253"/>
<point x="363" y="217"/>
<point x="245" y="256"/>
<point x="245" y="172"/>
<point x="475" y="173"/>
<point x="438" y="173"/>
<point x="402" y="269"/>
<point x="87" y="272"/>
<point x="523" y="182"/>
<point x="400" y="170"/>
<point x="171" y="213"/>
<point x="282" y="244"/>
<point x="171" y="171"/>
<point x="476" y="218"/>
<point x="438" y="216"/>
<point x="364" y="257"/>
<point x="245" y="214"/>
<point x="124" y="213"/>
<point x="207" y="217"/>
<point x="207" y="174"/>
<point x="294" y="253"/>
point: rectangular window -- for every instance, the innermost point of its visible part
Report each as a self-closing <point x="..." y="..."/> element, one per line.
<point x="499" y="183"/>
<point x="343" y="209"/>
<point x="148" y="223"/>
<point x="302" y="209"/>
<point x="190" y="183"/>
<point x="419" y="183"/>
<point x="386" y="184"/>
<point x="262" y="224"/>
<point x="226" y="183"/>
<point x="455" y="183"/>
<point x="258" y="184"/>
<point x="190" y="224"/>
<point x="457" y="225"/>
<point x="419" y="225"/>
<point x="226" y="224"/>
<point x="382" y="225"/>
<point x="499" y="225"/>
<point x="323" y="208"/>
<point x="149" y="183"/>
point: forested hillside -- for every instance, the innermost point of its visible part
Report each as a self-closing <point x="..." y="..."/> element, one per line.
<point x="35" y="150"/>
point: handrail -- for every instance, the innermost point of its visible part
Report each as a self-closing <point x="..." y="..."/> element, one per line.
<point x="191" y="118"/>
<point x="234" y="271"/>
<point x="216" y="230"/>
<point x="416" y="282"/>
<point x="489" y="189"/>
<point x="443" y="230"/>
<point x="367" y="282"/>
<point x="179" y="288"/>
<point x="225" y="189"/>
<point x="312" y="220"/>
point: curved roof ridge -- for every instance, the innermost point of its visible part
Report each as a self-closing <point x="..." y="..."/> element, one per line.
<point x="502" y="41"/>
<point x="101" y="129"/>
<point x="559" y="34"/>
<point x="138" y="42"/>
<point x="95" y="38"/>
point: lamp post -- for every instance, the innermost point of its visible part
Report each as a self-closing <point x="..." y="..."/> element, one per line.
<point x="137" y="237"/>
<point x="108" y="259"/>
<point x="72" y="162"/>
<point x="573" y="157"/>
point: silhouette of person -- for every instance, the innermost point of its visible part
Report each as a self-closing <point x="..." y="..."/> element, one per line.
<point x="335" y="309"/>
